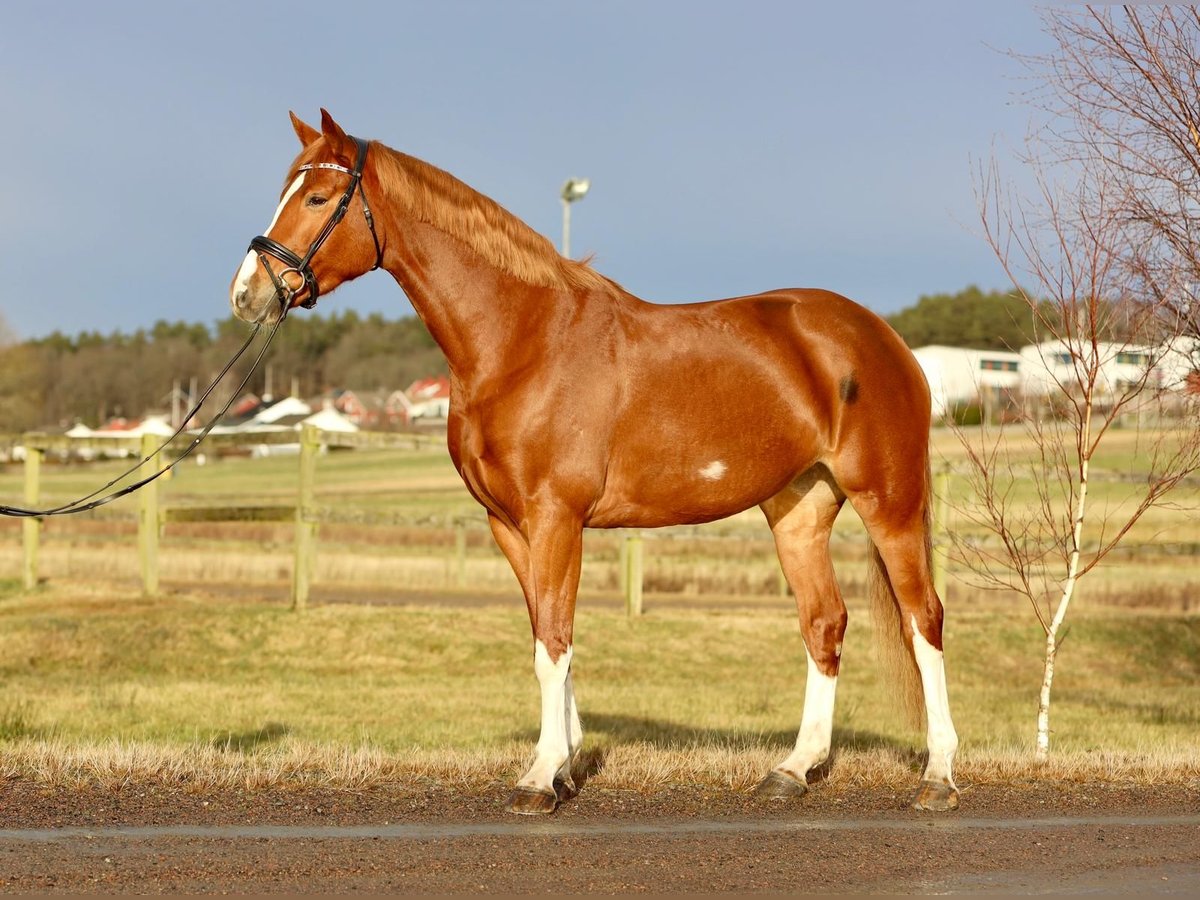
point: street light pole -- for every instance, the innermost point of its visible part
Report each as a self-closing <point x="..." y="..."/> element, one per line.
<point x="574" y="189"/>
<point x="566" y="240"/>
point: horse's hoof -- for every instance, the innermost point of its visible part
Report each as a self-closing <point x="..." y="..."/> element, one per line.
<point x="935" y="796"/>
<point x="532" y="802"/>
<point x="780" y="786"/>
<point x="564" y="789"/>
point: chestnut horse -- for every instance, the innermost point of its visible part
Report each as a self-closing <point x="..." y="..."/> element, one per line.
<point x="575" y="405"/>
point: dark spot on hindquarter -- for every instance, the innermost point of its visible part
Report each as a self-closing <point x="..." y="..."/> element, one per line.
<point x="848" y="389"/>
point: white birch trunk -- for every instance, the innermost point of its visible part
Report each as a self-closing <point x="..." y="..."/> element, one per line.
<point x="1042" y="751"/>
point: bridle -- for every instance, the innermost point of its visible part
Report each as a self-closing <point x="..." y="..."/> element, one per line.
<point x="261" y="245"/>
<point x="300" y="265"/>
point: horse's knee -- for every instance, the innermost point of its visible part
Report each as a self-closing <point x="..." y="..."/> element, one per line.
<point x="823" y="634"/>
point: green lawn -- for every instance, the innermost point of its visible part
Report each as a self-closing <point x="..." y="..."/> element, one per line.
<point x="83" y="666"/>
<point x="412" y="483"/>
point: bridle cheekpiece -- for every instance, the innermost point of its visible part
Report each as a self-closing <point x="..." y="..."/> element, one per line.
<point x="301" y="265"/>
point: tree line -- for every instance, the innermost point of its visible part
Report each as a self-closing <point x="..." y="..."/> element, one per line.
<point x="58" y="380"/>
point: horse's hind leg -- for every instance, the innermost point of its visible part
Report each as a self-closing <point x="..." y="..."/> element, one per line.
<point x="801" y="518"/>
<point x="906" y="605"/>
<point x="905" y="557"/>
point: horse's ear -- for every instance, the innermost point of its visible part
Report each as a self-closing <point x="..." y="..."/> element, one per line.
<point x="305" y="132"/>
<point x="342" y="148"/>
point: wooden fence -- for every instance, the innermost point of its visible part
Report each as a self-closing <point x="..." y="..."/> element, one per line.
<point x="151" y="515"/>
<point x="307" y="515"/>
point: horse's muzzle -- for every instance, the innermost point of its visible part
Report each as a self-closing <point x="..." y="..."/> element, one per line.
<point x="256" y="306"/>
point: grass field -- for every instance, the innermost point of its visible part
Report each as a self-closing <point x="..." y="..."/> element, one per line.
<point x="102" y="684"/>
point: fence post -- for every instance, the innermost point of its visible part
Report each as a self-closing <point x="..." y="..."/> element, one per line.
<point x="148" y="523"/>
<point x="460" y="555"/>
<point x="31" y="528"/>
<point x="623" y="562"/>
<point x="941" y="491"/>
<point x="306" y="517"/>
<point x="633" y="574"/>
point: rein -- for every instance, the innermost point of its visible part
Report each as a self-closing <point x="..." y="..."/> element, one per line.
<point x="301" y="265"/>
<point x="86" y="502"/>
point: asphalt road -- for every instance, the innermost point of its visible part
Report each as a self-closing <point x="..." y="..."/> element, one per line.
<point x="153" y="840"/>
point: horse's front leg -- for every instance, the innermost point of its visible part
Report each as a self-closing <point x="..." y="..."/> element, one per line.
<point x="546" y="554"/>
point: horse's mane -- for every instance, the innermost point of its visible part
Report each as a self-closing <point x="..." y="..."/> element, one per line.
<point x="439" y="199"/>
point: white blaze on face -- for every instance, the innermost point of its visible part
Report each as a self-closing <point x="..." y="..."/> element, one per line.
<point x="714" y="471"/>
<point x="247" y="268"/>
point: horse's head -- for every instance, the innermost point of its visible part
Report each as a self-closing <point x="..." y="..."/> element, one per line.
<point x="319" y="238"/>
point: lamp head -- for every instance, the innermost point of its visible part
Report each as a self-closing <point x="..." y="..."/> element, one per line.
<point x="575" y="189"/>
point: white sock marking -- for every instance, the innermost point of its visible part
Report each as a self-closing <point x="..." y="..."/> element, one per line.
<point x="714" y="471"/>
<point x="943" y="740"/>
<point x="574" y="726"/>
<point x="816" y="724"/>
<point x="554" y="745"/>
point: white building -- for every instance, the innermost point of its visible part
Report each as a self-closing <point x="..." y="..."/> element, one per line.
<point x="326" y="419"/>
<point x="1050" y="367"/>
<point x="287" y="408"/>
<point x="962" y="375"/>
<point x="1180" y="360"/>
<point x="329" y="419"/>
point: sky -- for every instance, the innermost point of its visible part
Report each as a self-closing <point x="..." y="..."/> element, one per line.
<point x="731" y="147"/>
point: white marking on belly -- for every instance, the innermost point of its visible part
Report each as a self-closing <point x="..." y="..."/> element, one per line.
<point x="246" y="271"/>
<point x="714" y="471"/>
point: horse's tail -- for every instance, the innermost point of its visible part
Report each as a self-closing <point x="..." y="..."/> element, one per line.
<point x="894" y="650"/>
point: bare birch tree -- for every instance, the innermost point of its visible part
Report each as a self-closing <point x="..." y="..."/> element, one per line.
<point x="1109" y="249"/>
<point x="1121" y="94"/>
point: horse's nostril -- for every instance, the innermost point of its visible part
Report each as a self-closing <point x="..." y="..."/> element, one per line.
<point x="240" y="299"/>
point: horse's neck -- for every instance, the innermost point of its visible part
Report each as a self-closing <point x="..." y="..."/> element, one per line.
<point x="473" y="310"/>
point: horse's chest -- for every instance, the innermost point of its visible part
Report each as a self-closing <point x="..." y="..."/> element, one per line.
<point x="475" y="443"/>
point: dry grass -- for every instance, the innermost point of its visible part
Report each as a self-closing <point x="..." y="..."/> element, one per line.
<point x="105" y="687"/>
<point x="636" y="767"/>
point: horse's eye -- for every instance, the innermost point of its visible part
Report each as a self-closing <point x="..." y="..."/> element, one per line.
<point x="314" y="200"/>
